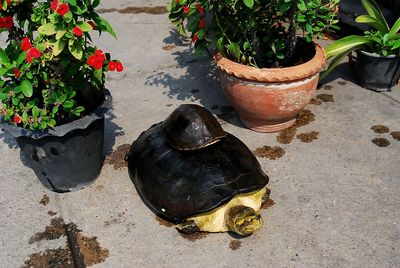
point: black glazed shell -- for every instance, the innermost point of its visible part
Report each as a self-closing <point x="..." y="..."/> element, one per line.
<point x="177" y="184"/>
<point x="192" y="127"/>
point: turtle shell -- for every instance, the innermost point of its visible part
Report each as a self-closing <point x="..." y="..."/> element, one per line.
<point x="192" y="127"/>
<point x="177" y="184"/>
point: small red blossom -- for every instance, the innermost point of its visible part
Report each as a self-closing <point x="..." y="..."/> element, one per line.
<point x="77" y="31"/>
<point x="177" y="1"/>
<point x="9" y="1"/>
<point x="97" y="60"/>
<point x="195" y="38"/>
<point x="54" y="5"/>
<point x="6" y="22"/>
<point x="186" y="9"/>
<point x="92" y="24"/>
<point x="200" y="9"/>
<point x="16" y="72"/>
<point x="17" y="119"/>
<point x="26" y="44"/>
<point x="115" y="65"/>
<point x="202" y="23"/>
<point x="62" y="9"/>
<point x="33" y="53"/>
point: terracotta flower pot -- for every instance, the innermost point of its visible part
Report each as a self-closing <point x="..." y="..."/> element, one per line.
<point x="270" y="99"/>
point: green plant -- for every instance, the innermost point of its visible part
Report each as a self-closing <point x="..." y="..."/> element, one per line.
<point x="260" y="33"/>
<point x="51" y="73"/>
<point x="381" y="39"/>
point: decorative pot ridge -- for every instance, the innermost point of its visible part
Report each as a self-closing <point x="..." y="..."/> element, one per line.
<point x="312" y="67"/>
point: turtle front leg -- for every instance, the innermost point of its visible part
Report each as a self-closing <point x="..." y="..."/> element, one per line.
<point x="188" y="227"/>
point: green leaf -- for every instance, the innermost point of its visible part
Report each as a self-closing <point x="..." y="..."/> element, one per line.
<point x="60" y="34"/>
<point x="395" y="29"/>
<point x="68" y="104"/>
<point x="373" y="23"/>
<point x="106" y="26"/>
<point x="249" y="3"/>
<point x="345" y="45"/>
<point x="84" y="26"/>
<point x="4" y="60"/>
<point x="26" y="88"/>
<point x="374" y="11"/>
<point x="47" y="29"/>
<point x="35" y="111"/>
<point x="59" y="47"/>
<point x="76" y="51"/>
<point x="234" y="50"/>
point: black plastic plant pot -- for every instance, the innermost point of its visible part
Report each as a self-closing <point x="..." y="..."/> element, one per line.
<point x="68" y="157"/>
<point x="377" y="72"/>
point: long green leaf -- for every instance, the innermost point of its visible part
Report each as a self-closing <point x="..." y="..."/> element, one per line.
<point x="374" y="11"/>
<point x="345" y="45"/>
<point x="26" y="88"/>
<point x="372" y="22"/>
<point x="395" y="29"/>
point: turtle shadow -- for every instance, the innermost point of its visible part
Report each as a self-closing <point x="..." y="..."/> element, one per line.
<point x="198" y="84"/>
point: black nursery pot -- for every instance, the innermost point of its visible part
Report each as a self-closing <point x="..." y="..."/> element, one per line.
<point x="376" y="72"/>
<point x="68" y="157"/>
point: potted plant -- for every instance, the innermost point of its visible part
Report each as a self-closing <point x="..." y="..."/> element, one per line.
<point x="52" y="93"/>
<point x="377" y="65"/>
<point x="267" y="71"/>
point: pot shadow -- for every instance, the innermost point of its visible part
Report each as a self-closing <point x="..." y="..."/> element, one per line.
<point x="343" y="71"/>
<point x="9" y="140"/>
<point x="111" y="131"/>
<point x="200" y="83"/>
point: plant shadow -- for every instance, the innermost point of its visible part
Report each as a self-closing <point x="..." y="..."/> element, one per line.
<point x="194" y="80"/>
<point x="111" y="131"/>
<point x="343" y="71"/>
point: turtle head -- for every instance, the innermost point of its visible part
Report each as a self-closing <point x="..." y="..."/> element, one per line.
<point x="192" y="127"/>
<point x="243" y="220"/>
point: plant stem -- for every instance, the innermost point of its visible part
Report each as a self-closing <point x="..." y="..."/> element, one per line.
<point x="291" y="36"/>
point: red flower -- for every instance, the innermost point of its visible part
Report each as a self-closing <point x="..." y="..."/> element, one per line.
<point x="200" y="9"/>
<point x="186" y="9"/>
<point x="9" y="1"/>
<point x="120" y="67"/>
<point x="33" y="53"/>
<point x="202" y="23"/>
<point x="26" y="44"/>
<point x="16" y="72"/>
<point x="112" y="66"/>
<point x="54" y="5"/>
<point x="97" y="60"/>
<point x="17" y="119"/>
<point x="92" y="24"/>
<point x="6" y="22"/>
<point x="77" y="31"/>
<point x="177" y="1"/>
<point x="195" y="38"/>
<point x="63" y="9"/>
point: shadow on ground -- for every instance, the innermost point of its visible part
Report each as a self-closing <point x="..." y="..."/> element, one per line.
<point x="200" y="83"/>
<point x="343" y="71"/>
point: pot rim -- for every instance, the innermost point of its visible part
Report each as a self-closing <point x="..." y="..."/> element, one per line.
<point x="62" y="130"/>
<point x="376" y="55"/>
<point x="304" y="70"/>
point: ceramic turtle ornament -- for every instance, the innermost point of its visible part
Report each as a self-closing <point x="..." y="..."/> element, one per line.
<point x="191" y="172"/>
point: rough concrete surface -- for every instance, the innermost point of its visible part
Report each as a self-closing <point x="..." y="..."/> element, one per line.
<point x="337" y="201"/>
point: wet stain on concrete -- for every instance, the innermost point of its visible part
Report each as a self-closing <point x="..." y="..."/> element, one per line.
<point x="235" y="244"/>
<point x="54" y="231"/>
<point x="194" y="91"/>
<point x="169" y="105"/>
<point x="286" y="136"/>
<point x="308" y="137"/>
<point x="119" y="218"/>
<point x="117" y="157"/>
<point x="45" y="200"/>
<point x="381" y="142"/>
<point x="136" y="10"/>
<point x="314" y="101"/>
<point x="328" y="87"/>
<point x="269" y="152"/>
<point x="79" y="251"/>
<point x="165" y="223"/>
<point x="380" y="129"/>
<point x="168" y="47"/>
<point x="325" y="97"/>
<point x="194" y="236"/>
<point x="267" y="204"/>
<point x="51" y="213"/>
<point x="342" y="83"/>
<point x="395" y="135"/>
